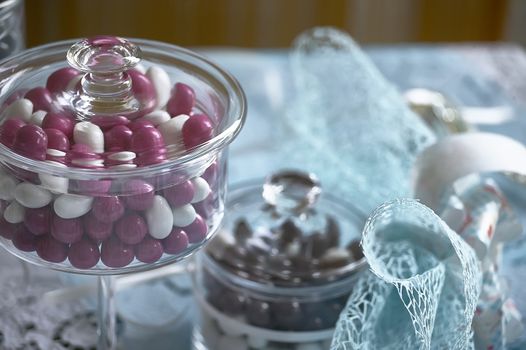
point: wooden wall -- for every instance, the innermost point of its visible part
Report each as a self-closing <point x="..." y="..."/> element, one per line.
<point x="265" y="23"/>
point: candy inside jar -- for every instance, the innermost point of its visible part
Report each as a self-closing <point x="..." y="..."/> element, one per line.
<point x="281" y="270"/>
<point x="108" y="164"/>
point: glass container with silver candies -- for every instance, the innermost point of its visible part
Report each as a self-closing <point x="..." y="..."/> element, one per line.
<point x="110" y="164"/>
<point x="281" y="269"/>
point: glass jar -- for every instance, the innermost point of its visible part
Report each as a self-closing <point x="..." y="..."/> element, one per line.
<point x="280" y="270"/>
<point x="109" y="165"/>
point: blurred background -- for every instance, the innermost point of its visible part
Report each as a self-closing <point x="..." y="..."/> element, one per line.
<point x="275" y="23"/>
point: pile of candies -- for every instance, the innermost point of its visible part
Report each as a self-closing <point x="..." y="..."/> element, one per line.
<point x="285" y="255"/>
<point x="92" y="224"/>
<point x="237" y="318"/>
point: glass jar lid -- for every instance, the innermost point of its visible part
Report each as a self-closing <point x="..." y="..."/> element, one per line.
<point x="288" y="233"/>
<point x="110" y="81"/>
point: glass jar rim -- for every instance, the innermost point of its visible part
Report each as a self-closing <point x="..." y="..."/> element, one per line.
<point x="235" y="112"/>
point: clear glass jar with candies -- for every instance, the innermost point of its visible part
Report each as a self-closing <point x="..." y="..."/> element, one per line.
<point x="281" y="269"/>
<point x="109" y="165"/>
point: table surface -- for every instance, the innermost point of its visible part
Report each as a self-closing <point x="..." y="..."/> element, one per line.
<point x="492" y="77"/>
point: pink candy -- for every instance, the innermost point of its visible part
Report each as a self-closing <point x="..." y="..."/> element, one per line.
<point x="205" y="208"/>
<point x="56" y="139"/>
<point x="41" y="98"/>
<point x="95" y="229"/>
<point x="154" y="156"/>
<point x="143" y="89"/>
<point x="197" y="230"/>
<point x="138" y="194"/>
<point x="146" y="139"/>
<point x="109" y="121"/>
<point x="38" y="220"/>
<point x="31" y="141"/>
<point x="58" y="81"/>
<point x="66" y="230"/>
<point x="84" y="254"/>
<point x="210" y="174"/>
<point x="115" y="253"/>
<point x="24" y="240"/>
<point x="59" y="121"/>
<point x="141" y="123"/>
<point x="148" y="144"/>
<point x="197" y="130"/>
<point x="149" y="250"/>
<point x="49" y="249"/>
<point x="131" y="229"/>
<point x="117" y="138"/>
<point x="182" y="100"/>
<point x="8" y="131"/>
<point x="180" y="194"/>
<point x="7" y="229"/>
<point x="107" y="209"/>
<point x="176" y="242"/>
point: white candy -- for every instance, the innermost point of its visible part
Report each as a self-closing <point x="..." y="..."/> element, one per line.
<point x="157" y="117"/>
<point x="257" y="342"/>
<point x="55" y="152"/>
<point x="14" y="213"/>
<point x="89" y="134"/>
<point x="7" y="187"/>
<point x="32" y="196"/>
<point x="37" y="117"/>
<point x="19" y="109"/>
<point x="124" y="156"/>
<point x="201" y="189"/>
<point x="231" y="343"/>
<point x="69" y="206"/>
<point x="55" y="184"/>
<point x="184" y="215"/>
<point x="161" y="83"/>
<point x="309" y="346"/>
<point x="159" y="218"/>
<point x="172" y="130"/>
<point x="123" y="166"/>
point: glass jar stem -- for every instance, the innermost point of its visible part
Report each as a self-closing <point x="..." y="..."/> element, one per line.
<point x="106" y="313"/>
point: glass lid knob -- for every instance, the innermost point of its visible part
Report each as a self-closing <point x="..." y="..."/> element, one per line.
<point x="291" y="191"/>
<point x="104" y="55"/>
<point x="106" y="88"/>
